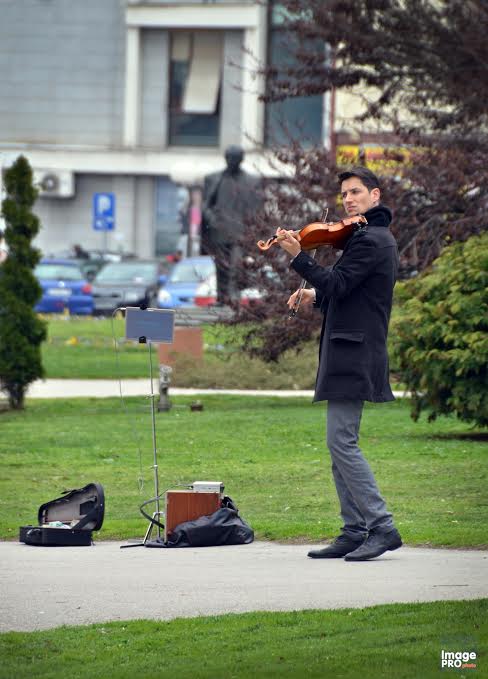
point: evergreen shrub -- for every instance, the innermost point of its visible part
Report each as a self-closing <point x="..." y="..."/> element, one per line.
<point x="439" y="337"/>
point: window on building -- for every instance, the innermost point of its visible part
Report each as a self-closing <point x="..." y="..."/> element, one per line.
<point x="195" y="84"/>
<point x="299" y="117"/>
<point x="171" y="208"/>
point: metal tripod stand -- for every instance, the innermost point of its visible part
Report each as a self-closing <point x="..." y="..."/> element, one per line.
<point x="155" y="519"/>
<point x="156" y="516"/>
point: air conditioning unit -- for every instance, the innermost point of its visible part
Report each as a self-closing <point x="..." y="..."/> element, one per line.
<point x="54" y="183"/>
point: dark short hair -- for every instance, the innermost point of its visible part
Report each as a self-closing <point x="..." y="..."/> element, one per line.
<point x="369" y="179"/>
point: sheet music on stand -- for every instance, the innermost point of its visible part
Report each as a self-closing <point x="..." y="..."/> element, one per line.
<point x="150" y="326"/>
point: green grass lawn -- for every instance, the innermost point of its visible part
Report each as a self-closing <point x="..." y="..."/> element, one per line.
<point x="401" y="641"/>
<point x="84" y="348"/>
<point x="269" y="452"/>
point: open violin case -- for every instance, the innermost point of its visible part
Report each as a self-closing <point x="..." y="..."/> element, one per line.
<point x="68" y="521"/>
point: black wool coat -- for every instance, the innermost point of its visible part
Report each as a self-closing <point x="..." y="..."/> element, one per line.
<point x="355" y="296"/>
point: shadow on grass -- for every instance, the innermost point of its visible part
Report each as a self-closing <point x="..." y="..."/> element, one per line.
<point x="455" y="436"/>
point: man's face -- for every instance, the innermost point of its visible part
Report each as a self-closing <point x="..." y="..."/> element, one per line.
<point x="356" y="197"/>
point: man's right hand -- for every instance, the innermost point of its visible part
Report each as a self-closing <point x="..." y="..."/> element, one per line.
<point x="308" y="297"/>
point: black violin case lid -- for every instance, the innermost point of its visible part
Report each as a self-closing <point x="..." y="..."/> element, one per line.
<point x="81" y="509"/>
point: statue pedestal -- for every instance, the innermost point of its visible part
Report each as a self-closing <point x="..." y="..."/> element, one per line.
<point x="187" y="342"/>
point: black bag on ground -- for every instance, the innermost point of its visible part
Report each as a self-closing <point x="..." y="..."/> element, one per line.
<point x="223" y="527"/>
<point x="80" y="511"/>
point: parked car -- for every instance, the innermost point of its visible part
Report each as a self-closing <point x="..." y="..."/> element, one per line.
<point x="95" y="260"/>
<point x="92" y="261"/>
<point x="192" y="282"/>
<point x="64" y="287"/>
<point x="128" y="283"/>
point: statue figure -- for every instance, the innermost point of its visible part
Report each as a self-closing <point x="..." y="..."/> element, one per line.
<point x="229" y="199"/>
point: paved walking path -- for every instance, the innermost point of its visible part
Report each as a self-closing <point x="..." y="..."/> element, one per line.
<point x="140" y="387"/>
<point x="44" y="587"/>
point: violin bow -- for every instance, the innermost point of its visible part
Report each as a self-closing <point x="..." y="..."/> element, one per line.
<point x="294" y="310"/>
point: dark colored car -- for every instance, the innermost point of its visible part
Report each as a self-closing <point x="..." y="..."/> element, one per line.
<point x="92" y="261"/>
<point x="64" y="287"/>
<point x="129" y="283"/>
<point x="97" y="259"/>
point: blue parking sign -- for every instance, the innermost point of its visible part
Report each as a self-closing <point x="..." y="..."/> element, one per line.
<point x="104" y="211"/>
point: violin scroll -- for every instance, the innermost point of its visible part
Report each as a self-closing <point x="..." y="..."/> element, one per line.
<point x="264" y="245"/>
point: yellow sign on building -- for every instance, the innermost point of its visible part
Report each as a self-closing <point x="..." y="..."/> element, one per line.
<point x="380" y="159"/>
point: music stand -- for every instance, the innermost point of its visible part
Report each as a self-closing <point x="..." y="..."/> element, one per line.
<point x="150" y="326"/>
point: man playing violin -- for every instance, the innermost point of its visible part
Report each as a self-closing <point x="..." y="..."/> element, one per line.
<point x="355" y="297"/>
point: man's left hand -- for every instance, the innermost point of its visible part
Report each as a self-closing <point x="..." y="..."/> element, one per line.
<point x="289" y="242"/>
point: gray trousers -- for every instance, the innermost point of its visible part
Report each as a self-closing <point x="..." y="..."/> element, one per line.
<point x="362" y="507"/>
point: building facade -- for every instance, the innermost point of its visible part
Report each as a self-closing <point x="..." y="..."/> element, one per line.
<point x="139" y="99"/>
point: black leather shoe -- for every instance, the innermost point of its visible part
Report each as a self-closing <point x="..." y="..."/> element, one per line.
<point x="341" y="546"/>
<point x="378" y="542"/>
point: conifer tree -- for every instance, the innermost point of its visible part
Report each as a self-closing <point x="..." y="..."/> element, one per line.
<point x="21" y="330"/>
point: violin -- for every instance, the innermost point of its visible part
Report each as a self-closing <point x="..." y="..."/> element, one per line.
<point x="316" y="234"/>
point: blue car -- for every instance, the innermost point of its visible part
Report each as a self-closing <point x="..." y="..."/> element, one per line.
<point x="192" y="282"/>
<point x="63" y="288"/>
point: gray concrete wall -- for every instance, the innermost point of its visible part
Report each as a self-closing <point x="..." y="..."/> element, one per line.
<point x="69" y="221"/>
<point x="62" y="65"/>
<point x="230" y="124"/>
<point x="62" y="76"/>
<point x="154" y="88"/>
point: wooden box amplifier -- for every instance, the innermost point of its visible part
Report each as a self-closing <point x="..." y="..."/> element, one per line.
<point x="187" y="505"/>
